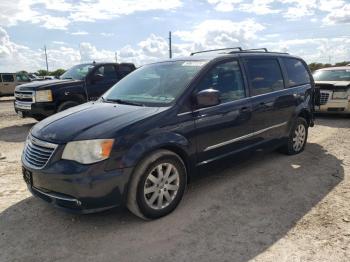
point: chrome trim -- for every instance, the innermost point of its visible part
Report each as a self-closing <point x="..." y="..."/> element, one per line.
<point x="243" y="137"/>
<point x="23" y="105"/>
<point x="34" y="141"/>
<point x="57" y="197"/>
<point x="24" y="94"/>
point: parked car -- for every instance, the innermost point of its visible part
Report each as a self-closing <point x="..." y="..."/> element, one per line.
<point x="79" y="84"/>
<point x="334" y="86"/>
<point x="9" y="81"/>
<point x="144" y="138"/>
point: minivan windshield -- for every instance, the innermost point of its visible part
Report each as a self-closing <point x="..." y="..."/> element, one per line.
<point x="77" y="72"/>
<point x="156" y="84"/>
<point x="332" y="75"/>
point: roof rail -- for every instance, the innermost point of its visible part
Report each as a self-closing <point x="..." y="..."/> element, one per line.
<point x="220" y="49"/>
<point x="238" y="50"/>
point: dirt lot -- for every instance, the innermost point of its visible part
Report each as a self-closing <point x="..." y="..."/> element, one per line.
<point x="269" y="208"/>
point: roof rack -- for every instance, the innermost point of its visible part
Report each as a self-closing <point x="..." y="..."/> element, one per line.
<point x="238" y="50"/>
<point x="214" y="50"/>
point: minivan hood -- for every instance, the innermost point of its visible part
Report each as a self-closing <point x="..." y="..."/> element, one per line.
<point x="90" y="121"/>
<point x="39" y="85"/>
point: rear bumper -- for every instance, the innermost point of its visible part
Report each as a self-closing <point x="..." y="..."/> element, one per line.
<point x="79" y="188"/>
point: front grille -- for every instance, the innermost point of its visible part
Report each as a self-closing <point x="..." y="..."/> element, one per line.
<point x="24" y="96"/>
<point x="37" y="153"/>
<point x="324" y="98"/>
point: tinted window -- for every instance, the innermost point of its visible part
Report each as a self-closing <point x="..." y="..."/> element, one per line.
<point x="7" y="78"/>
<point x="108" y="72"/>
<point x="124" y="70"/>
<point x="264" y="75"/>
<point x="226" y="78"/>
<point x="296" y="72"/>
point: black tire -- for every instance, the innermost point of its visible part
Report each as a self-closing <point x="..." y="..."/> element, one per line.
<point x="138" y="201"/>
<point x="290" y="147"/>
<point x="66" y="105"/>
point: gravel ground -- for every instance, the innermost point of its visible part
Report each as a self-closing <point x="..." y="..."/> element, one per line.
<point x="270" y="207"/>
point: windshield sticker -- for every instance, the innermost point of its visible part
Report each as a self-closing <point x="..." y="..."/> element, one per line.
<point x="194" y="63"/>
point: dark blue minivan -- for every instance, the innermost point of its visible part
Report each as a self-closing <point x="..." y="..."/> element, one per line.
<point x="140" y="142"/>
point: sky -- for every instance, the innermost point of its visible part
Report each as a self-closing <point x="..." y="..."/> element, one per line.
<point x="137" y="30"/>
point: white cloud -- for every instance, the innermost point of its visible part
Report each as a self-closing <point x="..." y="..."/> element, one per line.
<point x="106" y="34"/>
<point x="225" y="5"/>
<point x="40" y="11"/>
<point x="89" y="11"/>
<point x="259" y="7"/>
<point x="221" y="33"/>
<point x="79" y="33"/>
<point x="338" y="16"/>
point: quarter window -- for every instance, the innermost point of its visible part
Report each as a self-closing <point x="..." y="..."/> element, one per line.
<point x="7" y="78"/>
<point x="226" y="78"/>
<point x="296" y="72"/>
<point x="265" y="75"/>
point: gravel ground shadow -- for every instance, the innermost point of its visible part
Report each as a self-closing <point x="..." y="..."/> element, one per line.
<point x="15" y="133"/>
<point x="228" y="215"/>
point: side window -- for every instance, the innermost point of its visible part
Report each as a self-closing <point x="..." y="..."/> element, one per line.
<point x="226" y="78"/>
<point x="264" y="75"/>
<point x="8" y="78"/>
<point x="296" y="72"/>
<point x="124" y="70"/>
<point x="108" y="72"/>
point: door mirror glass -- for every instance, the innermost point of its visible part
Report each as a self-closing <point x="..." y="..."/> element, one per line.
<point x="208" y="97"/>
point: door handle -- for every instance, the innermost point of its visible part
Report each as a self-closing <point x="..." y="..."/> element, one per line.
<point x="245" y="109"/>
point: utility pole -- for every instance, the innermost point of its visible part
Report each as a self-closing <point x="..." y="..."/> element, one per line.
<point x="116" y="57"/>
<point x="170" y="50"/>
<point x="47" y="65"/>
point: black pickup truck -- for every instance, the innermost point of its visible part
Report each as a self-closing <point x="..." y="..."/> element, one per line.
<point x="81" y="83"/>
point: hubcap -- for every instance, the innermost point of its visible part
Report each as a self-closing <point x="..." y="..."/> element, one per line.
<point x="161" y="186"/>
<point x="299" y="137"/>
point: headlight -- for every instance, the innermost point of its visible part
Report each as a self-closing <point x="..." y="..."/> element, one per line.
<point x="43" y="96"/>
<point x="88" y="151"/>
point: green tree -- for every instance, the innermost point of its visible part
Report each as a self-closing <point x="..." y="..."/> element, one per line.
<point x="42" y="72"/>
<point x="57" y="72"/>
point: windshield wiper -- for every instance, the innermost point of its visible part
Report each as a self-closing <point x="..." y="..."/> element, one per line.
<point x="67" y="78"/>
<point x="121" y="101"/>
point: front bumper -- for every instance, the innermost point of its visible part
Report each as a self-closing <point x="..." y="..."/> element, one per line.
<point x="30" y="109"/>
<point x="78" y="188"/>
<point x="339" y="106"/>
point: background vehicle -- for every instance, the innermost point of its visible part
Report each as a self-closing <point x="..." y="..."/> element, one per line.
<point x="334" y="86"/>
<point x="9" y="81"/>
<point x="79" y="84"/>
<point x="139" y="144"/>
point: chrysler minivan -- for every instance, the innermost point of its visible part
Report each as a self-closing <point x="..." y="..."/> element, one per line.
<point x="140" y="142"/>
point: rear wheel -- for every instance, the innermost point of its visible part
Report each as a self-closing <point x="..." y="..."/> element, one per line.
<point x="157" y="185"/>
<point x="66" y="105"/>
<point x="297" y="137"/>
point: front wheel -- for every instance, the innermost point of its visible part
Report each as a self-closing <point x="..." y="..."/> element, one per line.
<point x="297" y="137"/>
<point x="66" y="105"/>
<point x="157" y="186"/>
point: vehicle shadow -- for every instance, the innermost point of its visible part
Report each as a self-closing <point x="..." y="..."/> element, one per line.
<point x="333" y="120"/>
<point x="231" y="214"/>
<point x="16" y="133"/>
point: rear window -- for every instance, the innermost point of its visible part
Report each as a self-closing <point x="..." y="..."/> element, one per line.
<point x="7" y="78"/>
<point x="296" y="72"/>
<point x="265" y="76"/>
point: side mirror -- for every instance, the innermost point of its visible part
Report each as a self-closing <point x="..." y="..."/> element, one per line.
<point x="208" y="97"/>
<point x="97" y="77"/>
